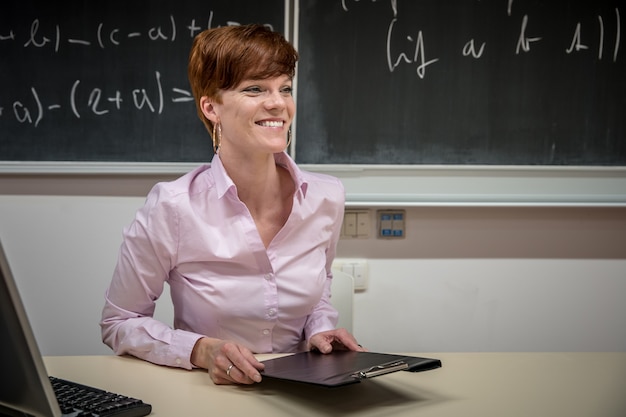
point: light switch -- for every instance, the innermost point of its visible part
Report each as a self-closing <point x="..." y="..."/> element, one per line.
<point x="363" y="224"/>
<point x="349" y="224"/>
<point x="356" y="224"/>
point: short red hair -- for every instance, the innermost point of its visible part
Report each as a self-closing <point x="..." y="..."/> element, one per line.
<point x="223" y="57"/>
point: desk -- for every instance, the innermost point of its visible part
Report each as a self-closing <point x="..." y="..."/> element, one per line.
<point x="468" y="384"/>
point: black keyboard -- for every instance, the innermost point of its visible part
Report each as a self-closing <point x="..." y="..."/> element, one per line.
<point x="76" y="400"/>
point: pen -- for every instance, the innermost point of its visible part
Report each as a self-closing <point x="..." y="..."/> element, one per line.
<point x="381" y="369"/>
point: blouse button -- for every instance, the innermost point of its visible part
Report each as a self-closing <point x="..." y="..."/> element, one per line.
<point x="266" y="332"/>
<point x="268" y="276"/>
<point x="271" y="312"/>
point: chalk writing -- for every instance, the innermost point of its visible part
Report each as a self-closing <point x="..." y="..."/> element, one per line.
<point x="524" y="42"/>
<point x="107" y="36"/>
<point x="473" y="48"/>
<point x="470" y="49"/>
<point x="419" y="55"/>
<point x="577" y="44"/>
<point x="32" y="108"/>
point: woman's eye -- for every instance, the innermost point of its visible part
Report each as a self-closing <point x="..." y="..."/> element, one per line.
<point x="253" y="90"/>
<point x="287" y="90"/>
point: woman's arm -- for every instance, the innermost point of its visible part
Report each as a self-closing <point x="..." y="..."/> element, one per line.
<point x="146" y="256"/>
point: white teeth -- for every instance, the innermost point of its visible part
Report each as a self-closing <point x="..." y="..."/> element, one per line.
<point x="271" y="124"/>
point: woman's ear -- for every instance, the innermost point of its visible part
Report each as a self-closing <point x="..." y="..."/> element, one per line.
<point x="208" y="109"/>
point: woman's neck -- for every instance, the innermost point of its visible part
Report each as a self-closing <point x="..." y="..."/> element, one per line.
<point x="267" y="191"/>
<point x="257" y="178"/>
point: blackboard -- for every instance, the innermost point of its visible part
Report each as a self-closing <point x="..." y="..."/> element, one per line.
<point x="107" y="80"/>
<point x="387" y="82"/>
<point x="493" y="82"/>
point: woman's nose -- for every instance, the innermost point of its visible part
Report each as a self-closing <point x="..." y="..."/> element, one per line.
<point x="275" y="99"/>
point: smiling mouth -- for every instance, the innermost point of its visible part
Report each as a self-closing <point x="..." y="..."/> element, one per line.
<point x="268" y="123"/>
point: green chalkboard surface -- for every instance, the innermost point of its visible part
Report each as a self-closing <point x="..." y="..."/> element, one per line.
<point x="107" y="80"/>
<point x="494" y="82"/>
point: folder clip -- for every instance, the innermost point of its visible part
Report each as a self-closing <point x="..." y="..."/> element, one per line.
<point x="381" y="370"/>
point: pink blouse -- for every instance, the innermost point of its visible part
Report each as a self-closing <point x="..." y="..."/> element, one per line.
<point x="195" y="234"/>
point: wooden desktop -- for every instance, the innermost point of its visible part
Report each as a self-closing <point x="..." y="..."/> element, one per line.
<point x="469" y="384"/>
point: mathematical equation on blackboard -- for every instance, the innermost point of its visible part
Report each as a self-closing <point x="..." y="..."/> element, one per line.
<point x="97" y="103"/>
<point x="104" y="36"/>
<point x="32" y="107"/>
<point x="416" y="53"/>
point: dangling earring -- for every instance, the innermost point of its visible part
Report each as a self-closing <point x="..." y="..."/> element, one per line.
<point x="288" y="138"/>
<point x="217" y="139"/>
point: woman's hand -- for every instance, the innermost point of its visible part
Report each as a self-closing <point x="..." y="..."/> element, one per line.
<point x="227" y="362"/>
<point x="338" y="339"/>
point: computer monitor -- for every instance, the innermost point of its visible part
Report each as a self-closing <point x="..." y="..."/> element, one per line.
<point x="24" y="384"/>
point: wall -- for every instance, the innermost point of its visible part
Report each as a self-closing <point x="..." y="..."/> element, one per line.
<point x="496" y="279"/>
<point x="464" y="279"/>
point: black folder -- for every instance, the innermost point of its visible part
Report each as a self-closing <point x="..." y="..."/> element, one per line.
<point x="342" y="367"/>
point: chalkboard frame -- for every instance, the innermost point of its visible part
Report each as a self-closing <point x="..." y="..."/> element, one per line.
<point x="371" y="186"/>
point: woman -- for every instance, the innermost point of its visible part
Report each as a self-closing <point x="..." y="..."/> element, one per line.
<point x="246" y="244"/>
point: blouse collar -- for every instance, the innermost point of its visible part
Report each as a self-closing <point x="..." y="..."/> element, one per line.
<point x="224" y="183"/>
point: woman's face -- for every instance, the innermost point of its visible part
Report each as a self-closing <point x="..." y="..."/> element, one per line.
<point x="255" y="115"/>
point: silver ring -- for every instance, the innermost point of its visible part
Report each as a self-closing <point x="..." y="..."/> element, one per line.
<point x="228" y="370"/>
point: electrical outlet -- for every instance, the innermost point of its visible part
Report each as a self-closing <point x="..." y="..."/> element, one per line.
<point x="391" y="224"/>
<point x="357" y="268"/>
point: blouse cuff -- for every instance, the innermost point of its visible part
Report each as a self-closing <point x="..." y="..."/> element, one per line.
<point x="318" y="325"/>
<point x="181" y="348"/>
